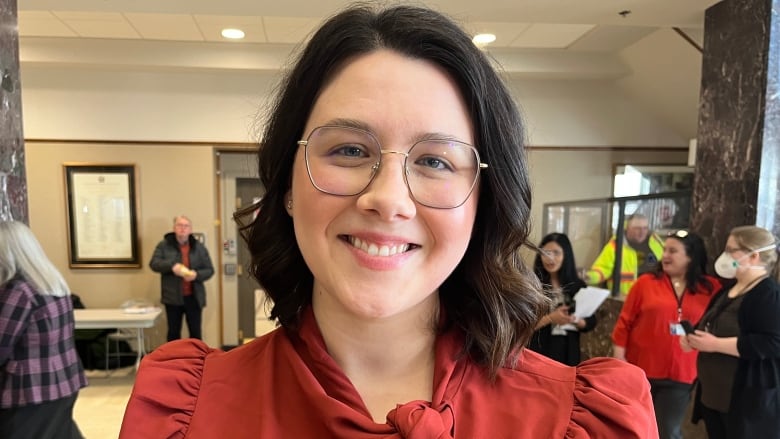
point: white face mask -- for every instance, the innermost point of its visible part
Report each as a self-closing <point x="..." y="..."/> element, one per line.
<point x="726" y="266"/>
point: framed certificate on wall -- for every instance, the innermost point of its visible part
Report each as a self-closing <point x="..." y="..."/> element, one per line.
<point x="101" y="215"/>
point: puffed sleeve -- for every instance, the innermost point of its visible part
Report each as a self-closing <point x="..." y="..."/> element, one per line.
<point x="165" y="391"/>
<point x="611" y="400"/>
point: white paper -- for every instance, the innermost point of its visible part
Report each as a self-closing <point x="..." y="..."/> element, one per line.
<point x="588" y="300"/>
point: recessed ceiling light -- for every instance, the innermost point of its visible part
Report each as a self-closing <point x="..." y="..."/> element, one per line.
<point x="482" y="39"/>
<point x="233" y="34"/>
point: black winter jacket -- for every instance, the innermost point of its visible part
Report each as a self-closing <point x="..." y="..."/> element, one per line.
<point x="166" y="255"/>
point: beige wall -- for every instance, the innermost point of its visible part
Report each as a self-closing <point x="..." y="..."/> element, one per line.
<point x="171" y="180"/>
<point x="569" y="174"/>
<point x="166" y="189"/>
<point x="590" y="120"/>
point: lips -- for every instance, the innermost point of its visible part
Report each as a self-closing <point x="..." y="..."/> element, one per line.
<point x="382" y="250"/>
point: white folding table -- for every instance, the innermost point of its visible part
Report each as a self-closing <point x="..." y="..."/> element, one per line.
<point x="106" y="318"/>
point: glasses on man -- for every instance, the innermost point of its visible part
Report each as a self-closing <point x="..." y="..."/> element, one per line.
<point x="440" y="173"/>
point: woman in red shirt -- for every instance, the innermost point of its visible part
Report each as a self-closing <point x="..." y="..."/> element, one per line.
<point x="649" y="326"/>
<point x="397" y="198"/>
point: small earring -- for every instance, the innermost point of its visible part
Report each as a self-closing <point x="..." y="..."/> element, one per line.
<point x="289" y="204"/>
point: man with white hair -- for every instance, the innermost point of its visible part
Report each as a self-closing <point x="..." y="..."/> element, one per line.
<point x="184" y="264"/>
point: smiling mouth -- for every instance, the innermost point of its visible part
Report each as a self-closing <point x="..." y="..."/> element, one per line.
<point x="373" y="249"/>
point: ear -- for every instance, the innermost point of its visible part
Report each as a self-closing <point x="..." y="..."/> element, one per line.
<point x="755" y="258"/>
<point x="288" y="202"/>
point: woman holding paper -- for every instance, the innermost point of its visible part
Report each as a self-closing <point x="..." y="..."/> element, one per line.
<point x="648" y="328"/>
<point x="558" y="333"/>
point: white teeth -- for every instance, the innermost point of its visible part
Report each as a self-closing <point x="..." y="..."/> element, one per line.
<point x="377" y="250"/>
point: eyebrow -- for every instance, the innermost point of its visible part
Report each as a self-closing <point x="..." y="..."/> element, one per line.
<point x="354" y="123"/>
<point x="349" y="123"/>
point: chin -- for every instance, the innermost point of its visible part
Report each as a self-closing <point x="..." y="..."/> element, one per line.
<point x="377" y="311"/>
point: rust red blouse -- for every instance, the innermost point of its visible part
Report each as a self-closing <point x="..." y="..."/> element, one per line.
<point x="284" y="387"/>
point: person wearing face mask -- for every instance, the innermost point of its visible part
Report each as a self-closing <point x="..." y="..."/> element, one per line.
<point x="738" y="340"/>
<point x="558" y="332"/>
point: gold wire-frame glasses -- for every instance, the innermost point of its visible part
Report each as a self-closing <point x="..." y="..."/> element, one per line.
<point x="343" y="161"/>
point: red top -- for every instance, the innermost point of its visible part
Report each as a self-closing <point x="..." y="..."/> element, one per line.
<point x="186" y="286"/>
<point x="643" y="327"/>
<point x="289" y="387"/>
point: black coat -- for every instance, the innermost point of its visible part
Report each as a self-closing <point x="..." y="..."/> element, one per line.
<point x="755" y="399"/>
<point x="166" y="255"/>
<point x="562" y="348"/>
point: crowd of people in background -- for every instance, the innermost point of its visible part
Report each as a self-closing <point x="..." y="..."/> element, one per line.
<point x="701" y="339"/>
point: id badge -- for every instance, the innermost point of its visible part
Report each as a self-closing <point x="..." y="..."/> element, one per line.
<point x="676" y="328"/>
<point x="558" y="330"/>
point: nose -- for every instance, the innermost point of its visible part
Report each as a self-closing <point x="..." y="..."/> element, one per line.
<point x="388" y="194"/>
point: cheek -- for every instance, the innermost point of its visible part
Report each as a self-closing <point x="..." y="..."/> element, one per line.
<point x="452" y="229"/>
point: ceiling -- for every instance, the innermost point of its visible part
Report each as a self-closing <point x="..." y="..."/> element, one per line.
<point x="627" y="42"/>
<point x="571" y="25"/>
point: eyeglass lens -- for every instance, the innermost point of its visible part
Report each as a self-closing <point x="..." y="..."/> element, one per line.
<point x="344" y="161"/>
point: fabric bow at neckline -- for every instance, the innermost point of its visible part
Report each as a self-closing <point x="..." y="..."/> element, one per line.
<point x="418" y="420"/>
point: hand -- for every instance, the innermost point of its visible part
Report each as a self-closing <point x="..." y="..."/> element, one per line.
<point x="177" y="269"/>
<point x="619" y="352"/>
<point x="684" y="345"/>
<point x="190" y="275"/>
<point x="702" y="341"/>
<point x="560" y="316"/>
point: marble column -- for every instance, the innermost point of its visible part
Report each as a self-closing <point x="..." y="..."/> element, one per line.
<point x="737" y="178"/>
<point x="13" y="182"/>
<point x="737" y="175"/>
<point x="598" y="343"/>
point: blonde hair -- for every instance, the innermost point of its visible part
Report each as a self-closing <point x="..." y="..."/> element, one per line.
<point x="752" y="238"/>
<point x="21" y="255"/>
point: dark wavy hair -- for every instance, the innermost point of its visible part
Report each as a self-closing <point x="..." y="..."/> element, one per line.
<point x="695" y="276"/>
<point x="567" y="275"/>
<point x="491" y="294"/>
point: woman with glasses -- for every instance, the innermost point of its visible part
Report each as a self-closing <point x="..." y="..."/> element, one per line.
<point x="654" y="316"/>
<point x="397" y="197"/>
<point x="738" y="340"/>
<point x="558" y="332"/>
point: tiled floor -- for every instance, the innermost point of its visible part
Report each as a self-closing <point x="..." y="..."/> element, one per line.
<point x="101" y="405"/>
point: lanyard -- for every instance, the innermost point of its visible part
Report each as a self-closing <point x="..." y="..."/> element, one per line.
<point x="679" y="298"/>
